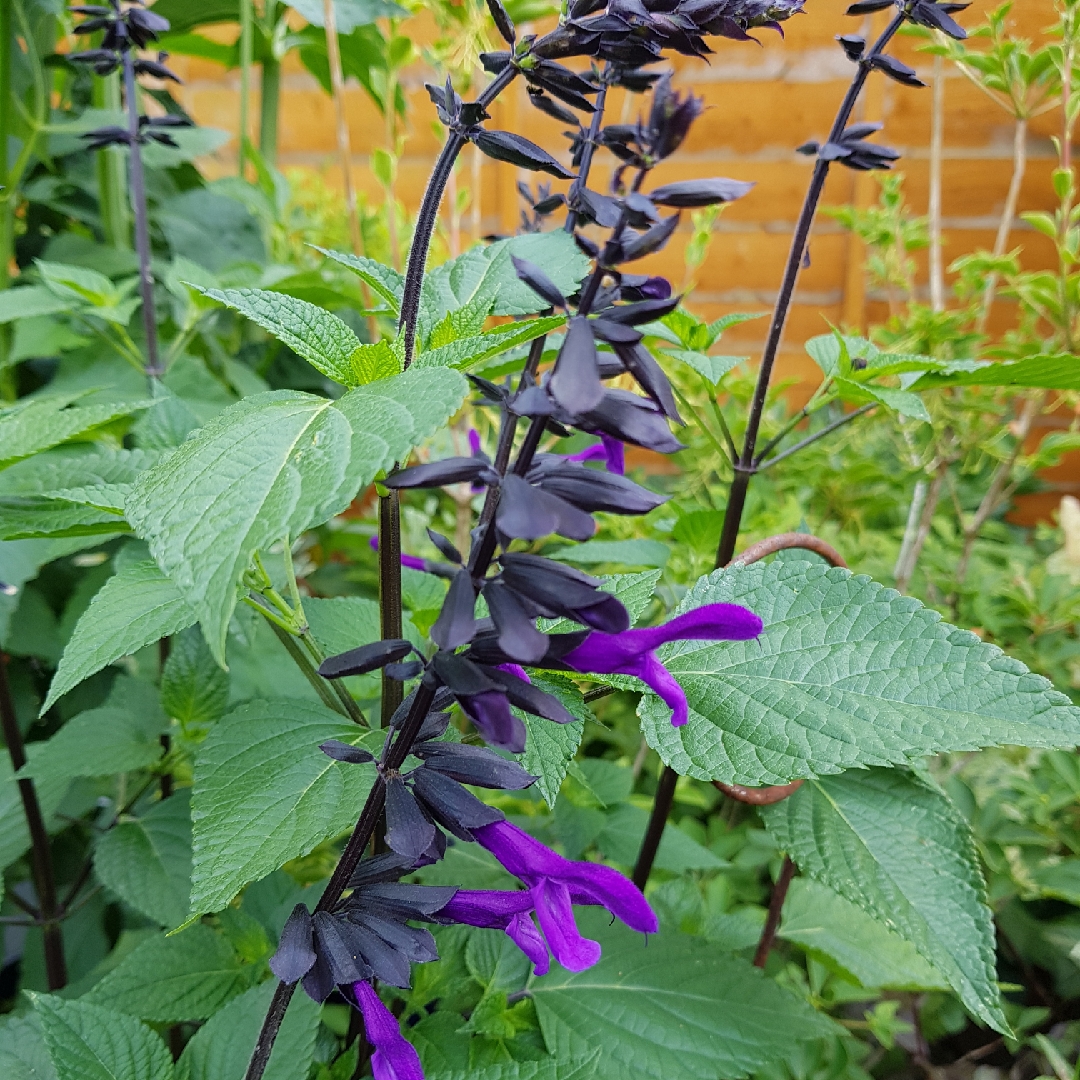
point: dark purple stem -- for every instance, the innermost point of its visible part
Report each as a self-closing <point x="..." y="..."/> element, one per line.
<point x="776" y="906"/>
<point x="154" y="371"/>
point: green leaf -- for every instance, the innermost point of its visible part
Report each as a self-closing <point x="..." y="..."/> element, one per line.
<point x="31" y="301"/>
<point x="373" y="362"/>
<point x="221" y="1049"/>
<point x="87" y="1042"/>
<point x="822" y="921"/>
<point x="80" y="283"/>
<point x="1056" y="372"/>
<point x="466" y="352"/>
<point x="120" y="736"/>
<point x="272" y="466"/>
<point x="36" y="424"/>
<point x="265" y="793"/>
<point x="712" y="368"/>
<point x="485" y="272"/>
<point x="23" y="1055"/>
<point x="621" y="837"/>
<point x="385" y="282"/>
<point x="171" y="980"/>
<point x="846" y="673"/>
<point x="900" y="401"/>
<point x="146" y="861"/>
<point x="135" y="607"/>
<point x="1060" y="880"/>
<point x="624" y="552"/>
<point x="677" y="1008"/>
<point x="896" y="846"/>
<point x="14" y="836"/>
<point x="634" y="590"/>
<point x="194" y="690"/>
<point x="49" y="518"/>
<point x="321" y="338"/>
<point x="581" y="1068"/>
<point x="549" y="748"/>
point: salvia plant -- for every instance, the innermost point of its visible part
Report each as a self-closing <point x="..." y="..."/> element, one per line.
<point x="791" y="684"/>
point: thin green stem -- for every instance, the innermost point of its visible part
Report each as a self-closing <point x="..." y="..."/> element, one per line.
<point x="718" y="413"/>
<point x="112" y="183"/>
<point x="247" y="50"/>
<point x="270" y="98"/>
<point x="844" y="420"/>
<point x="721" y="449"/>
<point x="292" y="647"/>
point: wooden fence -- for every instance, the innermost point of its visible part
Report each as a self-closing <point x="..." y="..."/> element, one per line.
<point x="762" y="101"/>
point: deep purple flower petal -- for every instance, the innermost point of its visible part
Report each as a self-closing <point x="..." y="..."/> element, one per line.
<point x="489" y="908"/>
<point x="605" y="654"/>
<point x="523" y="933"/>
<point x="522" y="855"/>
<point x="490" y="713"/>
<point x="515" y="669"/>
<point x="616" y="453"/>
<point x="395" y="1058"/>
<point x="662" y="683"/>
<point x="556" y="916"/>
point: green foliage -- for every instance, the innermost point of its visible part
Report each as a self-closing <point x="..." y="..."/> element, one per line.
<point x="268" y="746"/>
<point x="846" y="673"/>
<point x="194" y="690"/>
<point x="89" y="1042"/>
<point x="871" y="836"/>
<point x="678" y="1000"/>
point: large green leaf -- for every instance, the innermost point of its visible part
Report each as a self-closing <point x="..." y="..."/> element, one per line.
<point x="321" y="338"/>
<point x="88" y="1042"/>
<point x="675" y="1008"/>
<point x="14" y="835"/>
<point x="194" y="690"/>
<point x="822" y="921"/>
<point x="23" y="1055"/>
<point x="846" y="673"/>
<point x="265" y="793"/>
<point x="42" y="517"/>
<point x="35" y="424"/>
<point x="169" y="980"/>
<point x="1057" y="372"/>
<point x="550" y="748"/>
<point x="896" y="846"/>
<point x="384" y="281"/>
<point x="135" y="607"/>
<point x="31" y="301"/>
<point x="221" y="1049"/>
<point x="582" y="1068"/>
<point x="485" y="273"/>
<point x="271" y="466"/>
<point x="120" y="736"/>
<point x="146" y="861"/>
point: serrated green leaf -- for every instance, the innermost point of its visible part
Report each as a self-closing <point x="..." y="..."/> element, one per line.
<point x="31" y="301"/>
<point x="88" y="1042"/>
<point x="81" y="283"/>
<point x="170" y="980"/>
<point x="823" y="921"/>
<point x="549" y="748"/>
<point x="846" y="673"/>
<point x="47" y="518"/>
<point x="36" y="424"/>
<point x="78" y="467"/>
<point x="373" y="362"/>
<point x="582" y="1068"/>
<point x="194" y="690"/>
<point x="1056" y="372"/>
<point x="1060" y="880"/>
<point x="900" y="401"/>
<point x="115" y="738"/>
<point x="893" y="844"/>
<point x="676" y="1009"/>
<point x="625" y="552"/>
<point x="466" y="352"/>
<point x="385" y="282"/>
<point x="486" y="272"/>
<point x="14" y="835"/>
<point x="271" y="466"/>
<point x="135" y="607"/>
<point x="265" y="793"/>
<point x="147" y="861"/>
<point x="221" y="1049"/>
<point x="23" y="1055"/>
<point x="712" y="368"/>
<point x="321" y="338"/>
<point x="735" y="318"/>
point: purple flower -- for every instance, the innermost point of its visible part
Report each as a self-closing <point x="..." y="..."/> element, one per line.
<point x="395" y="1058"/>
<point x="633" y="652"/>
<point x="554" y="884"/>
<point x="410" y="562"/>
<point x="609" y="450"/>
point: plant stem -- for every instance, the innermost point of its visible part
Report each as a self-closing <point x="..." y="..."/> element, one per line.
<point x="1008" y="216"/>
<point x="7" y="203"/>
<point x="142" y="223"/>
<point x="270" y="97"/>
<point x="112" y="183"/>
<point x="390" y="613"/>
<point x="665" y="796"/>
<point x="40" y="852"/>
<point x="337" y="90"/>
<point x="937" y="153"/>
<point x="429" y="214"/>
<point x="776" y="905"/>
<point x="926" y="520"/>
<point x="744" y="467"/>
<point x="847" y="418"/>
<point x="247" y="52"/>
<point x="292" y="647"/>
